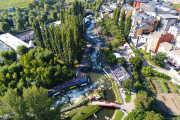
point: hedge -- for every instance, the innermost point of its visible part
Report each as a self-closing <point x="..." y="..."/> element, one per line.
<point x="165" y="87"/>
<point x="160" y="75"/>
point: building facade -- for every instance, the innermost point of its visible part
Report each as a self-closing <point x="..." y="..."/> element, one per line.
<point x="156" y="38"/>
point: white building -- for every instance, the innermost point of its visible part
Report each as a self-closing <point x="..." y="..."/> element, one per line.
<point x="114" y="5"/>
<point x="12" y="41"/>
<point x="175" y="30"/>
<point x="173" y="1"/>
<point x="166" y="20"/>
<point x="173" y="53"/>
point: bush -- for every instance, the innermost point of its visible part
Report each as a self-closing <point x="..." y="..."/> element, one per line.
<point x="165" y="87"/>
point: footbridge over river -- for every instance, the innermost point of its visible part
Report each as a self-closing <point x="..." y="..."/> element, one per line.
<point x="106" y="103"/>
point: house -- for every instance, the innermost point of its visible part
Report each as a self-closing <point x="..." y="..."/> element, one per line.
<point x="173" y="53"/>
<point x="155" y="38"/>
<point x="166" y="20"/>
<point x="138" y="3"/>
<point x="143" y="28"/>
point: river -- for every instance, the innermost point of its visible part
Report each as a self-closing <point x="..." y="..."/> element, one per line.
<point x="99" y="80"/>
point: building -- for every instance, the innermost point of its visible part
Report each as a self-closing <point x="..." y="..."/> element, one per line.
<point x="107" y="9"/>
<point x="166" y="20"/>
<point x="138" y="3"/>
<point x="128" y="9"/>
<point x="143" y="23"/>
<point x="174" y="30"/>
<point x="115" y="5"/>
<point x="173" y="1"/>
<point x="155" y="38"/>
<point x="173" y="53"/>
<point x="12" y="41"/>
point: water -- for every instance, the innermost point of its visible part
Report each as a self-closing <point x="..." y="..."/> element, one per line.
<point x="99" y="80"/>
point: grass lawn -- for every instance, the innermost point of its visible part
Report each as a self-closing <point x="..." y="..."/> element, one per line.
<point x="13" y="3"/>
<point x="128" y="98"/>
<point x="86" y="112"/>
<point x="146" y="56"/>
<point x="115" y="89"/>
<point x="119" y="115"/>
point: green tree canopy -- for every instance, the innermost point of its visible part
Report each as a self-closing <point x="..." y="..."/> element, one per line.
<point x="4" y="26"/>
<point x="158" y="58"/>
<point x="35" y="104"/>
<point x="22" y="49"/>
<point x="31" y="18"/>
<point x="111" y="60"/>
<point x="127" y="83"/>
<point x="136" y="61"/>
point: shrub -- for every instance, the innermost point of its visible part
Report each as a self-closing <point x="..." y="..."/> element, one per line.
<point x="164" y="86"/>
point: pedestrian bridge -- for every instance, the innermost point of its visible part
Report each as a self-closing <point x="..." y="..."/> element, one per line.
<point x="106" y="103"/>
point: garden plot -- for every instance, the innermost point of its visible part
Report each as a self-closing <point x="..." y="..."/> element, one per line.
<point x="167" y="103"/>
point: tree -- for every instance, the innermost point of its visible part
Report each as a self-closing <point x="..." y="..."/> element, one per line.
<point x="19" y="24"/>
<point x="44" y="17"/>
<point x="22" y="49"/>
<point x="147" y="71"/>
<point x="46" y="7"/>
<point x="31" y="18"/>
<point x="122" y="21"/>
<point x="135" y="115"/>
<point x="143" y="102"/>
<point x="111" y="60"/>
<point x="105" y="31"/>
<point x="136" y="61"/>
<point x="127" y="26"/>
<point x="54" y="15"/>
<point x="151" y="115"/>
<point x="127" y="84"/>
<point x="116" y="15"/>
<point x="158" y="58"/>
<point x="37" y="33"/>
<point x="4" y="26"/>
<point x="35" y="102"/>
<point x="107" y="52"/>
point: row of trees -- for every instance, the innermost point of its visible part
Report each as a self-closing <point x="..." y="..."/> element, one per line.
<point x="67" y="41"/>
<point x="119" y="31"/>
<point x="36" y="65"/>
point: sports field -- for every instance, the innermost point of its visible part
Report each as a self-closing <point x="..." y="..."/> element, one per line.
<point x="5" y="4"/>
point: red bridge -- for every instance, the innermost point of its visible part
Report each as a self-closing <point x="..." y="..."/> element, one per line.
<point x="107" y="104"/>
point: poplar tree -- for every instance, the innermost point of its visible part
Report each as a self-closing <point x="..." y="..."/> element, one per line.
<point x="127" y="26"/>
<point x="122" y="21"/>
<point x="116" y="15"/>
<point x="37" y="33"/>
<point x="47" y="37"/>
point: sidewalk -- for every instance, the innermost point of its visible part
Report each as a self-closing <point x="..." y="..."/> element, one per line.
<point x="128" y="106"/>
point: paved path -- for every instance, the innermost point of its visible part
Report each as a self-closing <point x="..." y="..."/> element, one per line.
<point x="127" y="106"/>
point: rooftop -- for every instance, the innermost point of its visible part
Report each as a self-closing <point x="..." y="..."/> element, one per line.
<point x="168" y="16"/>
<point x="177" y="52"/>
<point x="157" y="33"/>
<point x="12" y="41"/>
<point x="167" y="45"/>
